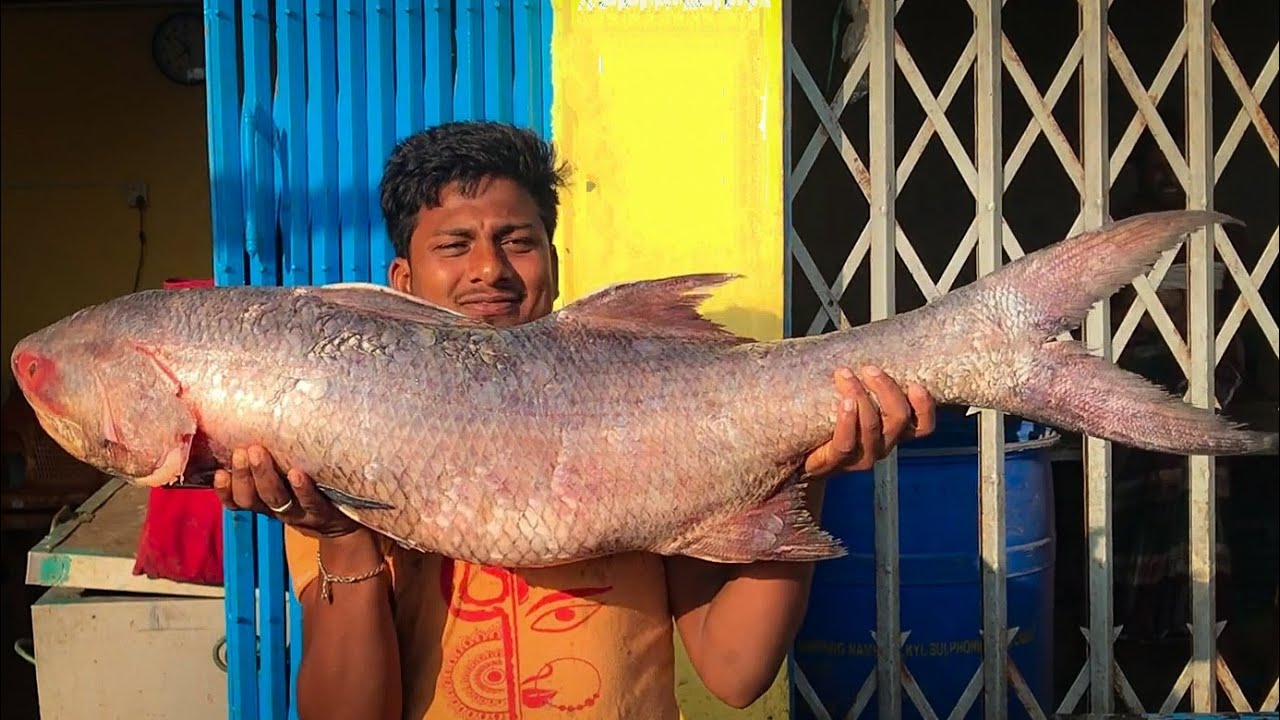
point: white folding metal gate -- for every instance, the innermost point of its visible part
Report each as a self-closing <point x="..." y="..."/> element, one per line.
<point x="882" y="242"/>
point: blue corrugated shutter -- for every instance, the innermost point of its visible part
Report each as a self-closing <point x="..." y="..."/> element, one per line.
<point x="304" y="107"/>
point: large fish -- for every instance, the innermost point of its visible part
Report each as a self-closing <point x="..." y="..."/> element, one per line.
<point x="625" y="421"/>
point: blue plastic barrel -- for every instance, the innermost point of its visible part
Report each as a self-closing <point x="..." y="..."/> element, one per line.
<point x="940" y="571"/>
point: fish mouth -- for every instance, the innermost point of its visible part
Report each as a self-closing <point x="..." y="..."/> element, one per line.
<point x="34" y="374"/>
<point x="63" y="431"/>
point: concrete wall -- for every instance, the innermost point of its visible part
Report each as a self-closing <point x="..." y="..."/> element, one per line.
<point x="84" y="113"/>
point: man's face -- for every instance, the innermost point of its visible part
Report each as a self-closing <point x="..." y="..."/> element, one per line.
<point x="487" y="256"/>
<point x="1161" y="182"/>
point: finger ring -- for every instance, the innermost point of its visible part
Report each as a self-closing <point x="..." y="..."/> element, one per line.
<point x="283" y="508"/>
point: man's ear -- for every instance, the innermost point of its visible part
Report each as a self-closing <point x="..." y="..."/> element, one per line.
<point x="555" y="273"/>
<point x="398" y="275"/>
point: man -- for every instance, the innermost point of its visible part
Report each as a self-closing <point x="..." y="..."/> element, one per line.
<point x="471" y="209"/>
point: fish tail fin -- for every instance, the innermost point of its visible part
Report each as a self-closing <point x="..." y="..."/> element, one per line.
<point x="1023" y="307"/>
<point x="1063" y="281"/>
<point x="1073" y="389"/>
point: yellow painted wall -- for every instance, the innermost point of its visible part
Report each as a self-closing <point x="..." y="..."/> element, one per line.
<point x="673" y="123"/>
<point x="83" y="113"/>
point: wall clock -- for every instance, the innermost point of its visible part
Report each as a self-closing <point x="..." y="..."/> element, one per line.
<point x="177" y="47"/>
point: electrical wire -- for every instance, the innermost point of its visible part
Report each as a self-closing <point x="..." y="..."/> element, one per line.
<point x="142" y="244"/>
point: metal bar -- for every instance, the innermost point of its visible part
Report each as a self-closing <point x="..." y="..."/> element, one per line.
<point x="353" y="143"/>
<point x="468" y="94"/>
<point x="322" y="140"/>
<point x="257" y="128"/>
<point x="788" y="205"/>
<point x="273" y="696"/>
<point x="291" y="191"/>
<point x="955" y="80"/>
<point x="1146" y="106"/>
<point x="527" y="82"/>
<point x="439" y="72"/>
<point x="295" y="648"/>
<point x="1200" y="335"/>
<point x="222" y="87"/>
<point x="990" y="214"/>
<point x="257" y="132"/>
<point x="884" y="190"/>
<point x="1184" y="680"/>
<point x="380" y="119"/>
<point x="857" y="69"/>
<point x="229" y="269"/>
<point x="1096" y="155"/>
<point x="546" y="26"/>
<point x="1272" y="700"/>
<point x="1249" y="290"/>
<point x="1020" y="687"/>
<point x="1042" y="115"/>
<point x="1159" y="85"/>
<point x="408" y="67"/>
<point x="497" y="60"/>
<point x="1238" y="311"/>
<point x="291" y="114"/>
<point x="935" y="114"/>
<point x="830" y="305"/>
<point x="1251" y="105"/>
<point x="223" y="90"/>
<point x="1258" y="91"/>
<point x="859" y="171"/>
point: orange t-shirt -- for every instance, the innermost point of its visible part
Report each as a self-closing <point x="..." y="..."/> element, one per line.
<point x="589" y="640"/>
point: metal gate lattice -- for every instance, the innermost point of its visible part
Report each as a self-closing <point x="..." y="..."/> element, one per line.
<point x="876" y="56"/>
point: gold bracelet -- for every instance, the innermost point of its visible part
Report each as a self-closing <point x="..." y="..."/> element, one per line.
<point x="326" y="579"/>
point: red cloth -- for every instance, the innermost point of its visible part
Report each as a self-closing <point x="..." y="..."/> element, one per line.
<point x="181" y="537"/>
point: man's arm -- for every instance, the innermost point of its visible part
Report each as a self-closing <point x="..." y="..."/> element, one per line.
<point x="737" y="622"/>
<point x="350" y="654"/>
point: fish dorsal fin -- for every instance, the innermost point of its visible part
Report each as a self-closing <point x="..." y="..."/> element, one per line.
<point x="665" y="307"/>
<point x="388" y="302"/>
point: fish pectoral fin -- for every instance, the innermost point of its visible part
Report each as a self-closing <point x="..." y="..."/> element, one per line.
<point x="145" y="414"/>
<point x="661" y="308"/>
<point x="780" y="528"/>
<point x="172" y="466"/>
<point x="388" y="302"/>
<point x="355" y="502"/>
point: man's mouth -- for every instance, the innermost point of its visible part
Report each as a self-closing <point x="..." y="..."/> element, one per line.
<point x="492" y="305"/>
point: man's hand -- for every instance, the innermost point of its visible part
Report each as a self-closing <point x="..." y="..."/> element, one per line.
<point x="254" y="483"/>
<point x="872" y="417"/>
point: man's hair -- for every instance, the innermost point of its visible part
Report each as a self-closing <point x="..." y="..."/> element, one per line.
<point x="466" y="153"/>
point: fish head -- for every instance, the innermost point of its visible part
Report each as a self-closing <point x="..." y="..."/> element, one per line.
<point x="108" y="402"/>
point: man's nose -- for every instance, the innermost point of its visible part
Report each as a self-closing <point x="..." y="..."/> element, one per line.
<point x="489" y="263"/>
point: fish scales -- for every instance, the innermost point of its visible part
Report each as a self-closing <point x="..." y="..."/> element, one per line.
<point x="626" y="421"/>
<point x="498" y="435"/>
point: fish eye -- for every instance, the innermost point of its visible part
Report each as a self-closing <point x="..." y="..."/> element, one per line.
<point x="32" y="367"/>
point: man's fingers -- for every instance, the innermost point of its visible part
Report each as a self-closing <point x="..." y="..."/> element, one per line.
<point x="222" y="488"/>
<point x="308" y="496"/>
<point x="243" y="491"/>
<point x="271" y="488"/>
<point x="895" y="409"/>
<point x="870" y="422"/>
<point x="844" y="440"/>
<point x="926" y="411"/>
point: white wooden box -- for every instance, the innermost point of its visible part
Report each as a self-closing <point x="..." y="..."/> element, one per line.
<point x="128" y="656"/>
<point x="110" y="644"/>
